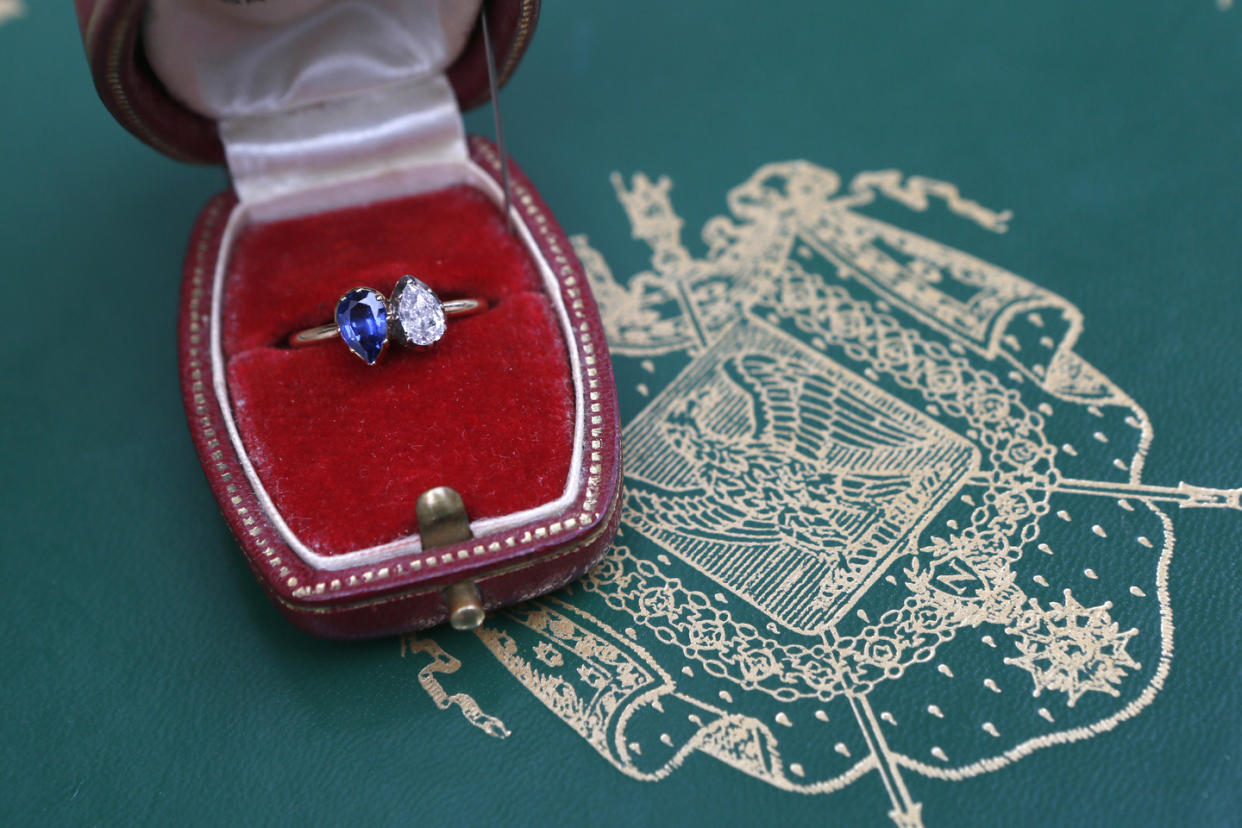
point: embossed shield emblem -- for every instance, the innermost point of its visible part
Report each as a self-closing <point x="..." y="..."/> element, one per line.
<point x="880" y="515"/>
<point x="786" y="478"/>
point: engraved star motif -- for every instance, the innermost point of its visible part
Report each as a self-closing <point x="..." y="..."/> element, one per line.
<point x="1073" y="649"/>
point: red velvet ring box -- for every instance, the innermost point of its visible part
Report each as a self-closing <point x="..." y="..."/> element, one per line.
<point x="340" y="122"/>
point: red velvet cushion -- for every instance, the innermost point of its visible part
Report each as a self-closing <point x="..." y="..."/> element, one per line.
<point x="345" y="449"/>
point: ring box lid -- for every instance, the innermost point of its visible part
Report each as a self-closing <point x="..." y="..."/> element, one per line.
<point x="132" y="44"/>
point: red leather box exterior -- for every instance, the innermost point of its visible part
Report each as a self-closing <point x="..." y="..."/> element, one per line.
<point x="399" y="592"/>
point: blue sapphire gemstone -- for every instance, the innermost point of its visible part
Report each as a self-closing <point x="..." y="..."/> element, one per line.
<point x="362" y="318"/>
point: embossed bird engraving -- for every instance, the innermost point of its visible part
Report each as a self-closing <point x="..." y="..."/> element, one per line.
<point x="823" y="472"/>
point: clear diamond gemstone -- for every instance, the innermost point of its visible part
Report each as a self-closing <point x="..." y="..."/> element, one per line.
<point x="419" y="312"/>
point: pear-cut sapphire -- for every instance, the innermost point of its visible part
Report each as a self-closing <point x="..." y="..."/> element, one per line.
<point x="362" y="317"/>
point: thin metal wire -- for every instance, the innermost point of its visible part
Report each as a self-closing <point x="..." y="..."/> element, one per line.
<point x="500" y="132"/>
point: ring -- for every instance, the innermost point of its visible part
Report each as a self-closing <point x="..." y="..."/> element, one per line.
<point x="362" y="319"/>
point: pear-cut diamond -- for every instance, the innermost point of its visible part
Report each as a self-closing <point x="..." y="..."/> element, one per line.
<point x="419" y="312"/>
<point x="362" y="318"/>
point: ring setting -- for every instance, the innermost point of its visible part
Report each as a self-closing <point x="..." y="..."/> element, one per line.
<point x="366" y="321"/>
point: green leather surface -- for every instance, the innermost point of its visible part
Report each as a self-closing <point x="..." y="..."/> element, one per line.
<point x="147" y="679"/>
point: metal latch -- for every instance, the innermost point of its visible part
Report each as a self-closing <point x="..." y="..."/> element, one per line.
<point x="442" y="521"/>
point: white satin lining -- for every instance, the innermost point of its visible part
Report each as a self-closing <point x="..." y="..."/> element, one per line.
<point x="387" y="186"/>
<point x="410" y="125"/>
<point x="231" y="60"/>
<point x="312" y="94"/>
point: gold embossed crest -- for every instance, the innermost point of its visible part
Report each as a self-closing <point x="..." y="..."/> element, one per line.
<point x="880" y="516"/>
